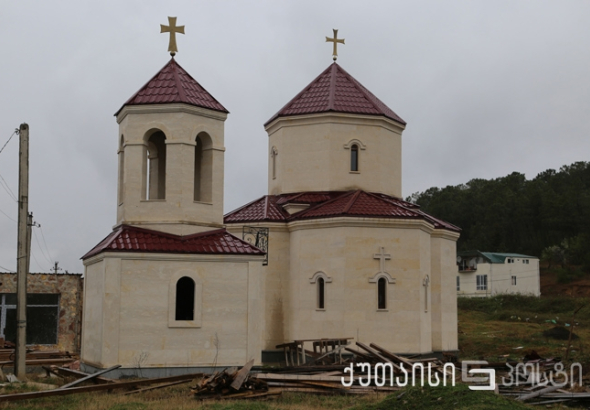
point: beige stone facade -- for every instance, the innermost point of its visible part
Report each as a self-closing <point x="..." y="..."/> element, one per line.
<point x="346" y="256"/>
<point x="178" y="211"/>
<point x="312" y="153"/>
<point x="169" y="289"/>
<point x="417" y="318"/>
<point x="128" y="315"/>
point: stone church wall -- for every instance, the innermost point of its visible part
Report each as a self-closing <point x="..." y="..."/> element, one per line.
<point x="345" y="255"/>
<point x="134" y="318"/>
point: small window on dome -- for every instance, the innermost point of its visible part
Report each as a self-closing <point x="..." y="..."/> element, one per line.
<point x="321" y="293"/>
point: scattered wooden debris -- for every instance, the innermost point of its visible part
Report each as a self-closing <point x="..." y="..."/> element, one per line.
<point x="230" y="382"/>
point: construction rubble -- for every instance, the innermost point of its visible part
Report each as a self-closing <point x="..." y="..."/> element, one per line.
<point x="333" y="366"/>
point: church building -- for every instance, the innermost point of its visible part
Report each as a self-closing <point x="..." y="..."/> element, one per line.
<point x="331" y="252"/>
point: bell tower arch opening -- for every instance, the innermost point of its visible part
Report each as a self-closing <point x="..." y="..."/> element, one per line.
<point x="156" y="165"/>
<point x="203" y="168"/>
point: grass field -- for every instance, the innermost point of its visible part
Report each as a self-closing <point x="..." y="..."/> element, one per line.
<point x="494" y="329"/>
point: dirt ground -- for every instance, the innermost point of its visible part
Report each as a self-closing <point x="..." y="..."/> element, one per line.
<point x="550" y="287"/>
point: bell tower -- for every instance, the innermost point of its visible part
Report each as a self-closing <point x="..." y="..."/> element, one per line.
<point x="171" y="153"/>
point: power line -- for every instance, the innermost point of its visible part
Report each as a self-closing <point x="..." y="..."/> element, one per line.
<point x="36" y="261"/>
<point x="9" y="138"/>
<point x="4" y="185"/>
<point x="8" y="270"/>
<point x="40" y="248"/>
<point x="5" y="214"/>
<point x="46" y="247"/>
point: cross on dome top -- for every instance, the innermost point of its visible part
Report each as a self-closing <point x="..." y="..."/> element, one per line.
<point x="335" y="40"/>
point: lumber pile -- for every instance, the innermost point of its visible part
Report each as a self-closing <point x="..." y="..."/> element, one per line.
<point x="231" y="383"/>
<point x="540" y="381"/>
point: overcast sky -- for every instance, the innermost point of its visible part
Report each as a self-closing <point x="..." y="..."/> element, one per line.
<point x="486" y="87"/>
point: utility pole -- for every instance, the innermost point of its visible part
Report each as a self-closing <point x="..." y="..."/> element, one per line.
<point x="23" y="253"/>
<point x="56" y="268"/>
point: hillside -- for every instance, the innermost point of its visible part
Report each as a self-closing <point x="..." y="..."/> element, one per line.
<point x="550" y="212"/>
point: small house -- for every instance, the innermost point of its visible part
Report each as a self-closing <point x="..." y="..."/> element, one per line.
<point x="483" y="274"/>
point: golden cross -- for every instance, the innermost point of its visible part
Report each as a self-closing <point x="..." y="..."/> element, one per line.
<point x="335" y="40"/>
<point x="172" y="29"/>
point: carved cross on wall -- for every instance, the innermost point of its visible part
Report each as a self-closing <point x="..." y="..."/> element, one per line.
<point x="425" y="283"/>
<point x="382" y="258"/>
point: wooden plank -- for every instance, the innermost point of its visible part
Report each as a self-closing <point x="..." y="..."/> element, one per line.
<point x="63" y="371"/>
<point x="300" y="377"/>
<point x="98" y="387"/>
<point x="374" y="352"/>
<point x="337" y="350"/>
<point x="159" y="386"/>
<point x="359" y="354"/>
<point x="89" y="377"/>
<point x="241" y="376"/>
<point x="391" y="356"/>
<point x="538" y="393"/>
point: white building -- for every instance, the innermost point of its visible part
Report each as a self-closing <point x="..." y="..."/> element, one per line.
<point x="483" y="274"/>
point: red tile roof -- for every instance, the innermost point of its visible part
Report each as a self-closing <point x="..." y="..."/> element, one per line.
<point x="263" y="209"/>
<point x="330" y="205"/>
<point x="173" y="84"/>
<point x="132" y="239"/>
<point x="337" y="91"/>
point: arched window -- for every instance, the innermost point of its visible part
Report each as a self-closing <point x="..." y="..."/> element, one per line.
<point x="203" y="168"/>
<point x="354" y="158"/>
<point x="185" y="299"/>
<point x="156" y="166"/>
<point x="121" y="168"/>
<point x="382" y="293"/>
<point x="321" y="294"/>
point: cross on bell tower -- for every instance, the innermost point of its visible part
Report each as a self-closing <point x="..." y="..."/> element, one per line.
<point x="172" y="29"/>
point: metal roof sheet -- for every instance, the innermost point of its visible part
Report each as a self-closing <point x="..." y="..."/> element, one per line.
<point x="172" y="84"/>
<point x="495" y="257"/>
<point x="334" y="90"/>
<point x="128" y="238"/>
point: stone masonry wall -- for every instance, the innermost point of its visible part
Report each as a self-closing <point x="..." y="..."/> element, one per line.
<point x="70" y="288"/>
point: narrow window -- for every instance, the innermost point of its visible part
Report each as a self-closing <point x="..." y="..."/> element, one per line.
<point x="156" y="169"/>
<point x="121" y="169"/>
<point x="458" y="283"/>
<point x="513" y="280"/>
<point x="354" y="158"/>
<point x="185" y="299"/>
<point x="321" y="293"/>
<point x="381" y="291"/>
<point x="274" y="152"/>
